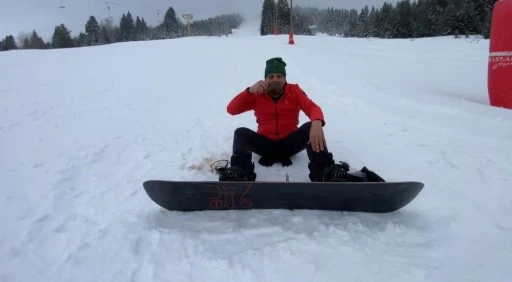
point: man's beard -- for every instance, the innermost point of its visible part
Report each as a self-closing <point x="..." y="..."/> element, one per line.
<point x="274" y="88"/>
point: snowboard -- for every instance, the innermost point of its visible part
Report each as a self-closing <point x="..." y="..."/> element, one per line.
<point x="369" y="197"/>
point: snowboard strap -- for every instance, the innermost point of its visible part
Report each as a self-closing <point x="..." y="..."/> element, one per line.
<point x="219" y="166"/>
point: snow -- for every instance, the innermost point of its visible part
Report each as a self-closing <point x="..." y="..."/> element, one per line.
<point x="81" y="129"/>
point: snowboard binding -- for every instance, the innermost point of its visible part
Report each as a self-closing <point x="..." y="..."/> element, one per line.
<point x="219" y="166"/>
<point x="234" y="174"/>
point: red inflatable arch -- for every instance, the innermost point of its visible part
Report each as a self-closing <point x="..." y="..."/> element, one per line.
<point x="500" y="56"/>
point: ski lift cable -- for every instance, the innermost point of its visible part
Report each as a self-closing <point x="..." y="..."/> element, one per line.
<point x="133" y="6"/>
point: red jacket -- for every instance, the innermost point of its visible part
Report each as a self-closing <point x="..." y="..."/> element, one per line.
<point x="276" y="119"/>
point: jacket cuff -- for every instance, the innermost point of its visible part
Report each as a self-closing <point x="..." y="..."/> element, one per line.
<point x="323" y="122"/>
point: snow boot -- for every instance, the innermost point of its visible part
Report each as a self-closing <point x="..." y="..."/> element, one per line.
<point x="323" y="169"/>
<point x="241" y="169"/>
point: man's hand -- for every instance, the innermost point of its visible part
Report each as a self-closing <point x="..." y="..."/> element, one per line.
<point x="258" y="87"/>
<point x="316" y="136"/>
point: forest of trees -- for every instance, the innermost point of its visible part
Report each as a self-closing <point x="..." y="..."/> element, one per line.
<point x="129" y="29"/>
<point x="405" y="19"/>
<point x="421" y="18"/>
<point x="277" y="16"/>
<point x="220" y="25"/>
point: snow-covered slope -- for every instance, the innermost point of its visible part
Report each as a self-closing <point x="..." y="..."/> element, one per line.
<point x="81" y="129"/>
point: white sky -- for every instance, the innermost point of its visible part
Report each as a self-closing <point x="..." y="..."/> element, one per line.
<point x="43" y="15"/>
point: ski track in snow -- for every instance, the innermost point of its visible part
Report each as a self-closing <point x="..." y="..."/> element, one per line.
<point x="77" y="142"/>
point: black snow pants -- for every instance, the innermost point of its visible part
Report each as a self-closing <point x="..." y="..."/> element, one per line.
<point x="247" y="141"/>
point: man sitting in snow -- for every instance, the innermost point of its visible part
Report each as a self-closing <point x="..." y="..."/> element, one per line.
<point x="276" y="105"/>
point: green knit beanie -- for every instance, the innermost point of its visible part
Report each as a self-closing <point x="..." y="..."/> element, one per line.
<point x="275" y="65"/>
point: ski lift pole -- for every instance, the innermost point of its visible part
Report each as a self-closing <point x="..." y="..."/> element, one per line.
<point x="188" y="17"/>
<point x="290" y="39"/>
<point x="276" y="30"/>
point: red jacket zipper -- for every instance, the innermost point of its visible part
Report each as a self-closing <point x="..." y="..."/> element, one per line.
<point x="277" y="132"/>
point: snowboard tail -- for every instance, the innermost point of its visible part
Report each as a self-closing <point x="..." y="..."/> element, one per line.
<point x="372" y="197"/>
